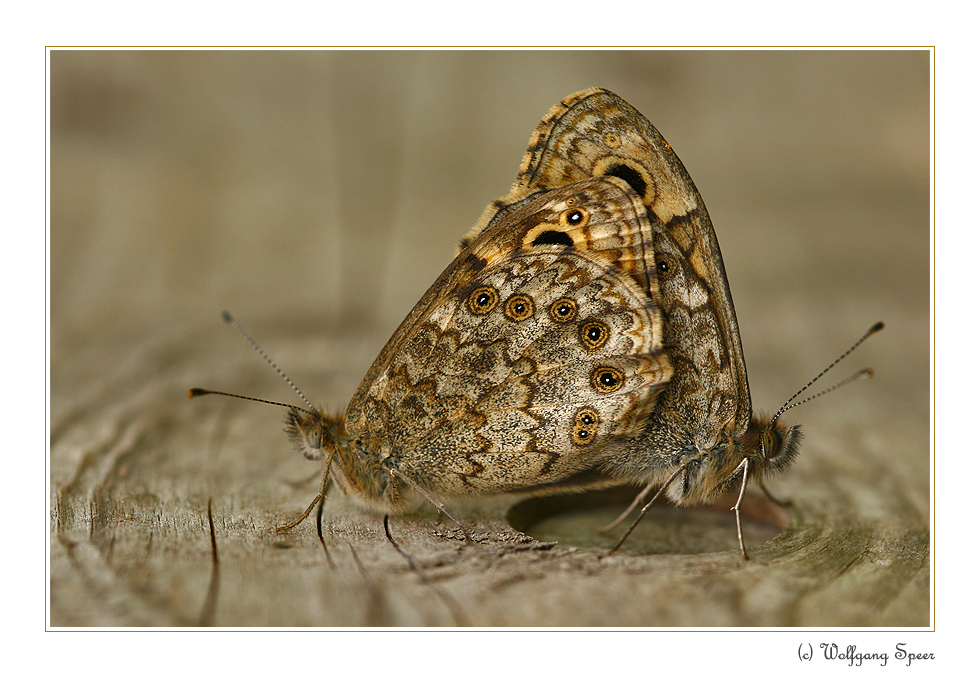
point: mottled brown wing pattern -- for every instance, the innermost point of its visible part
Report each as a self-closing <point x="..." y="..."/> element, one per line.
<point x="595" y="133"/>
<point x="701" y="433"/>
<point x="533" y="356"/>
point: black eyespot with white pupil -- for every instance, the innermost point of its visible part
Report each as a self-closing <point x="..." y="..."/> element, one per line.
<point x="519" y="307"/>
<point x="563" y="310"/>
<point x="574" y="217"/>
<point x="585" y="425"/>
<point x="482" y="300"/>
<point x="607" y="380"/>
<point x="593" y="335"/>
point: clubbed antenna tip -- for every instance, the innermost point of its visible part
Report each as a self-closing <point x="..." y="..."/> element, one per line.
<point x="864" y="373"/>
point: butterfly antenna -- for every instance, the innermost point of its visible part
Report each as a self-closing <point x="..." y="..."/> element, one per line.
<point x="864" y="373"/>
<point x="198" y="392"/>
<point x="248" y="339"/>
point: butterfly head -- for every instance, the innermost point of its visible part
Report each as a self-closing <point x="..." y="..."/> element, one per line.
<point x="314" y="432"/>
<point x="357" y="468"/>
<point x="767" y="446"/>
<point x="770" y="445"/>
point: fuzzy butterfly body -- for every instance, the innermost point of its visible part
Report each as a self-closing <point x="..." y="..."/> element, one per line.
<point x="532" y="359"/>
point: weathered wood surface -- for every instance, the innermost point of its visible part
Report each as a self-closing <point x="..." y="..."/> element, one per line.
<point x="315" y="195"/>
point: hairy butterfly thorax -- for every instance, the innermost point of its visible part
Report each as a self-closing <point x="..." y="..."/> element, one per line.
<point x="320" y="437"/>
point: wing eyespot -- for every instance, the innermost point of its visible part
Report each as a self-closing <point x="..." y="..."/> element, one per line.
<point x="518" y="307"/>
<point x="483" y="300"/>
<point x="574" y="218"/>
<point x="563" y="310"/>
<point x="585" y="426"/>
<point x="607" y="380"/>
<point x="593" y="334"/>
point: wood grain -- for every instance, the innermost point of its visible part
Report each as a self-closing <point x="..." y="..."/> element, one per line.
<point x="187" y="184"/>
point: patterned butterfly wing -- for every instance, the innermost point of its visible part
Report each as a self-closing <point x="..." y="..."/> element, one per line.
<point x="531" y="358"/>
<point x="597" y="133"/>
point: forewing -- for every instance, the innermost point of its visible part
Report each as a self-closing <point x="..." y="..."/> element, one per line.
<point x="536" y="350"/>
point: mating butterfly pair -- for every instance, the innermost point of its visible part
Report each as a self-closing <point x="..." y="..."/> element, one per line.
<point x="584" y="337"/>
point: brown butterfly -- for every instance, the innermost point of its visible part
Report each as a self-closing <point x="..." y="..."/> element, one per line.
<point x="702" y="436"/>
<point x="533" y="357"/>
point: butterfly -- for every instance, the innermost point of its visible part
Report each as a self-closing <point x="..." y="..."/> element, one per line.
<point x="703" y="436"/>
<point x="529" y="361"/>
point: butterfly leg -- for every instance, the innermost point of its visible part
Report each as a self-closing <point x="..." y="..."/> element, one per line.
<point x="640" y="498"/>
<point x="427" y="496"/>
<point x="321" y="495"/>
<point x="646" y="507"/>
<point x="744" y="467"/>
<point x="411" y="562"/>
<point x="450" y="602"/>
<point x="319" y="528"/>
